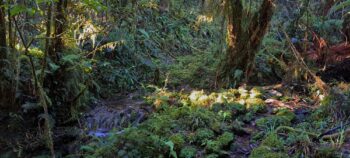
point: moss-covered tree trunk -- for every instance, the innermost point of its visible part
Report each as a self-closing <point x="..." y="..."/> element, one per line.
<point x="60" y="23"/>
<point x="243" y="41"/>
<point x="4" y="89"/>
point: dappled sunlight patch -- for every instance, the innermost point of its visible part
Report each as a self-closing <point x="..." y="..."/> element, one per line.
<point x="250" y="99"/>
<point x="202" y="19"/>
<point x="151" y="4"/>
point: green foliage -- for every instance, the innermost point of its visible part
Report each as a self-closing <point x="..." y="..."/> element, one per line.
<point x="202" y="135"/>
<point x="178" y="140"/>
<point x="189" y="69"/>
<point x="340" y="6"/>
<point x="188" y="152"/>
<point x="273" y="141"/>
<point x="272" y="122"/>
<point x="266" y="152"/>
<point x="220" y="142"/>
<point x="282" y="118"/>
<point x="327" y="152"/>
<point x="183" y="126"/>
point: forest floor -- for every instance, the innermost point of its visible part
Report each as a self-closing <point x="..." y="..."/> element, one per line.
<point x="252" y="114"/>
<point x="126" y="111"/>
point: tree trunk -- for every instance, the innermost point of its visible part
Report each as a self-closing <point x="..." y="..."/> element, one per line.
<point x="10" y="28"/>
<point x="243" y="43"/>
<point x="4" y="89"/>
<point x="346" y="27"/>
<point x="2" y="32"/>
<point x="60" y="22"/>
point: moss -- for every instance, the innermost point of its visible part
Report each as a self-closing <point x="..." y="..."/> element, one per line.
<point x="327" y="152"/>
<point x="203" y="134"/>
<point x="178" y="140"/>
<point x="222" y="141"/>
<point x="272" y="122"/>
<point x="255" y="93"/>
<point x="243" y="93"/>
<point x="258" y="136"/>
<point x="225" y="138"/>
<point x="199" y="98"/>
<point x="188" y="152"/>
<point x="286" y="113"/>
<point x="213" y="145"/>
<point x="249" y="116"/>
<point x="235" y="108"/>
<point x="273" y="141"/>
<point x="216" y="126"/>
<point x="266" y="152"/>
<point x="256" y="105"/>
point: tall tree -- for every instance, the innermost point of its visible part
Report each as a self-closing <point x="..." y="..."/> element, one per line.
<point x="3" y="56"/>
<point x="2" y="31"/>
<point x="60" y="23"/>
<point x="243" y="40"/>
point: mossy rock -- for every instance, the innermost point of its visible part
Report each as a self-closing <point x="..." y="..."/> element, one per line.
<point x="266" y="152"/>
<point x="199" y="98"/>
<point x="213" y="146"/>
<point x="243" y="93"/>
<point x="226" y="138"/>
<point x="302" y="139"/>
<point x="220" y="142"/>
<point x="236" y="108"/>
<point x="178" y="140"/>
<point x="256" y="105"/>
<point x="256" y="92"/>
<point x="286" y="113"/>
<point x="273" y="122"/>
<point x="203" y="135"/>
<point x="273" y="141"/>
<point x="188" y="152"/>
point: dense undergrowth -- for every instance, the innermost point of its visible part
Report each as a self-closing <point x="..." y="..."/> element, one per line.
<point x="197" y="124"/>
<point x="178" y="50"/>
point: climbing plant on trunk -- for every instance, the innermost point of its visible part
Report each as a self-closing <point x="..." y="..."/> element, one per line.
<point x="245" y="32"/>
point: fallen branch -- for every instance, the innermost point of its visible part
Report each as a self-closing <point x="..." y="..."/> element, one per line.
<point x="318" y="81"/>
<point x="336" y="135"/>
<point x="291" y="129"/>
